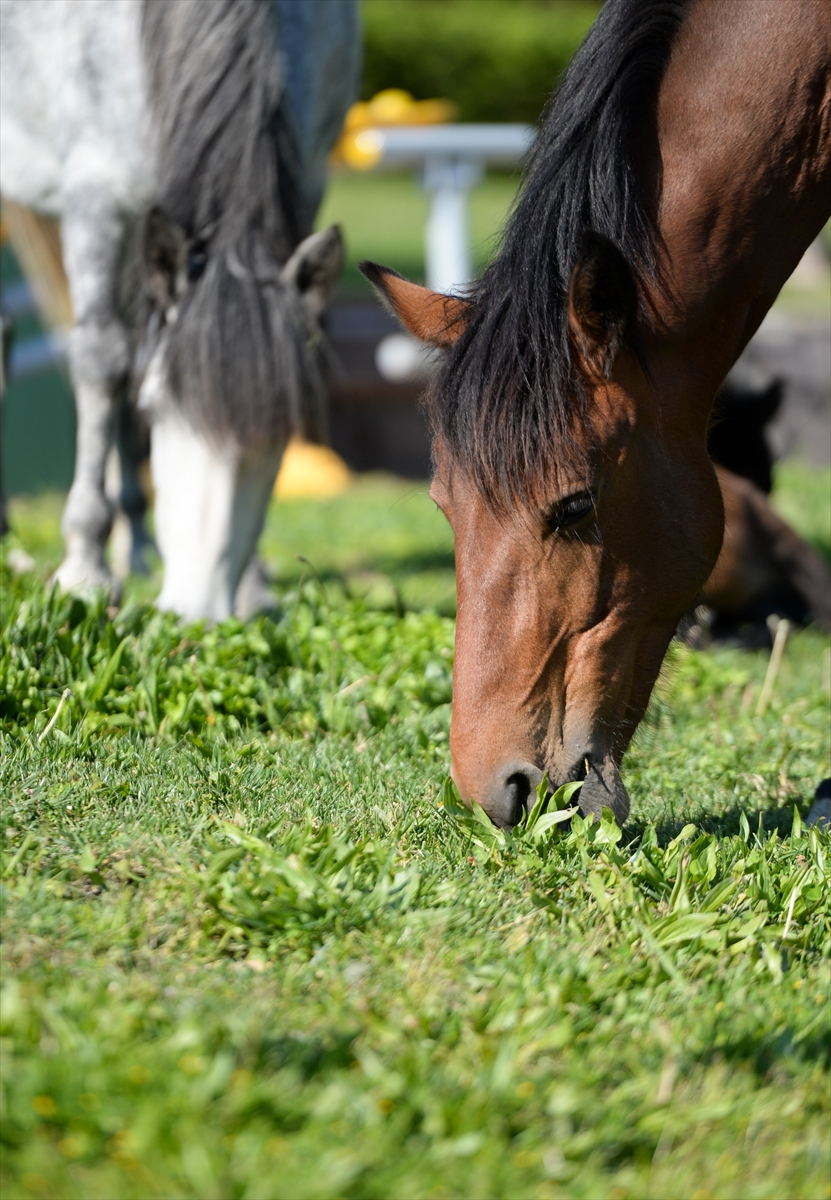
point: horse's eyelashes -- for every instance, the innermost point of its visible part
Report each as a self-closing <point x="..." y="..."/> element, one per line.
<point x="570" y="511"/>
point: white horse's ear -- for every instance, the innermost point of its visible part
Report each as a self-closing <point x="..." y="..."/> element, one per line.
<point x="165" y="253"/>
<point x="315" y="266"/>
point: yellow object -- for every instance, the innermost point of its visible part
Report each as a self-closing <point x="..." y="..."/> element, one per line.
<point x="309" y="470"/>
<point x="359" y="146"/>
<point x="361" y="150"/>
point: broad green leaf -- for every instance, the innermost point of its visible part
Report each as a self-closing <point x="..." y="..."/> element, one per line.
<point x="106" y="672"/>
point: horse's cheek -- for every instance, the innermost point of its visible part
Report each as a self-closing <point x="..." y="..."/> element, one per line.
<point x="670" y="543"/>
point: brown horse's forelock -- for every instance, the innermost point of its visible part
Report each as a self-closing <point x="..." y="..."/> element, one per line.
<point x="241" y="358"/>
<point x="509" y="403"/>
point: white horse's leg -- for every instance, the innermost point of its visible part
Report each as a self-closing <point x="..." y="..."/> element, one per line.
<point x="132" y="446"/>
<point x="210" y="508"/>
<point x="92" y="232"/>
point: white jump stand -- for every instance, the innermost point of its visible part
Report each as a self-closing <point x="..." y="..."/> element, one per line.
<point x="450" y="161"/>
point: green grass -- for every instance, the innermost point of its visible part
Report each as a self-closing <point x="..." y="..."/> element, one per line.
<point x="254" y="947"/>
<point x="383" y="540"/>
<point x="802" y="495"/>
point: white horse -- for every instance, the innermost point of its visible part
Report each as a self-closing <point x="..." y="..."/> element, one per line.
<point x="183" y="144"/>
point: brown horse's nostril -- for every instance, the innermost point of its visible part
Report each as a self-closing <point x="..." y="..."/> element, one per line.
<point x="518" y="789"/>
<point x="505" y="794"/>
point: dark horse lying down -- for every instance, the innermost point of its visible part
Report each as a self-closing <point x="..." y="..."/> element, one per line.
<point x="682" y="169"/>
<point x="764" y="569"/>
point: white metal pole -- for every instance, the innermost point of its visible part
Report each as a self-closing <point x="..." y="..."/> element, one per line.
<point x="447" y="235"/>
<point x="451" y="159"/>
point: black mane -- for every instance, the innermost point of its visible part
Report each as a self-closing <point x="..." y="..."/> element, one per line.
<point x="506" y="401"/>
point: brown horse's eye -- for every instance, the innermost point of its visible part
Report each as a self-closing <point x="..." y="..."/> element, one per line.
<point x="570" y="511"/>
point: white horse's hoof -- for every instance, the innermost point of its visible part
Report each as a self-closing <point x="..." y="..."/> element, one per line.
<point x="254" y="594"/>
<point x="19" y="562"/>
<point x="80" y="575"/>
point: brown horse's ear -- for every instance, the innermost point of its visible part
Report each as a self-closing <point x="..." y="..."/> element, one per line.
<point x="602" y="303"/>
<point x="430" y="316"/>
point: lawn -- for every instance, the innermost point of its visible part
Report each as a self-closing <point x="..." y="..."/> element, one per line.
<point x="253" y="946"/>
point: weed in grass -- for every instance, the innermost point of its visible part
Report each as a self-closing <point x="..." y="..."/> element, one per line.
<point x="345" y="671"/>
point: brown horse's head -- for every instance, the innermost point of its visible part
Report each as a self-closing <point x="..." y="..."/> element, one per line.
<point x="571" y="413"/>
<point x="574" y="559"/>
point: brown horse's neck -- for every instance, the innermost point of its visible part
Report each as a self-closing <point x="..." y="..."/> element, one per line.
<point x="744" y="130"/>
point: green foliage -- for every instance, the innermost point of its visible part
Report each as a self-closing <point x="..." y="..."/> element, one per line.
<point x="499" y="60"/>
<point x="316" y="669"/>
<point x="311" y="884"/>
<point x="699" y="896"/>
<point x="253" y="945"/>
<point x="803" y="497"/>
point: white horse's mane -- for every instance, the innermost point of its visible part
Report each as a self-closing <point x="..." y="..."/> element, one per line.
<point x="228" y="181"/>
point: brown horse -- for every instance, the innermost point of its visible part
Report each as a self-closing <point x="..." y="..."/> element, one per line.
<point x="764" y="568"/>
<point x="681" y="170"/>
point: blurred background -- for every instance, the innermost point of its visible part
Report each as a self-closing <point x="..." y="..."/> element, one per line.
<point x="425" y="62"/>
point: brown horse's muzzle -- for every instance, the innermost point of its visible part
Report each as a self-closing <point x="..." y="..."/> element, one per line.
<point x="512" y="790"/>
<point x="506" y="795"/>
<point x="603" y="788"/>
